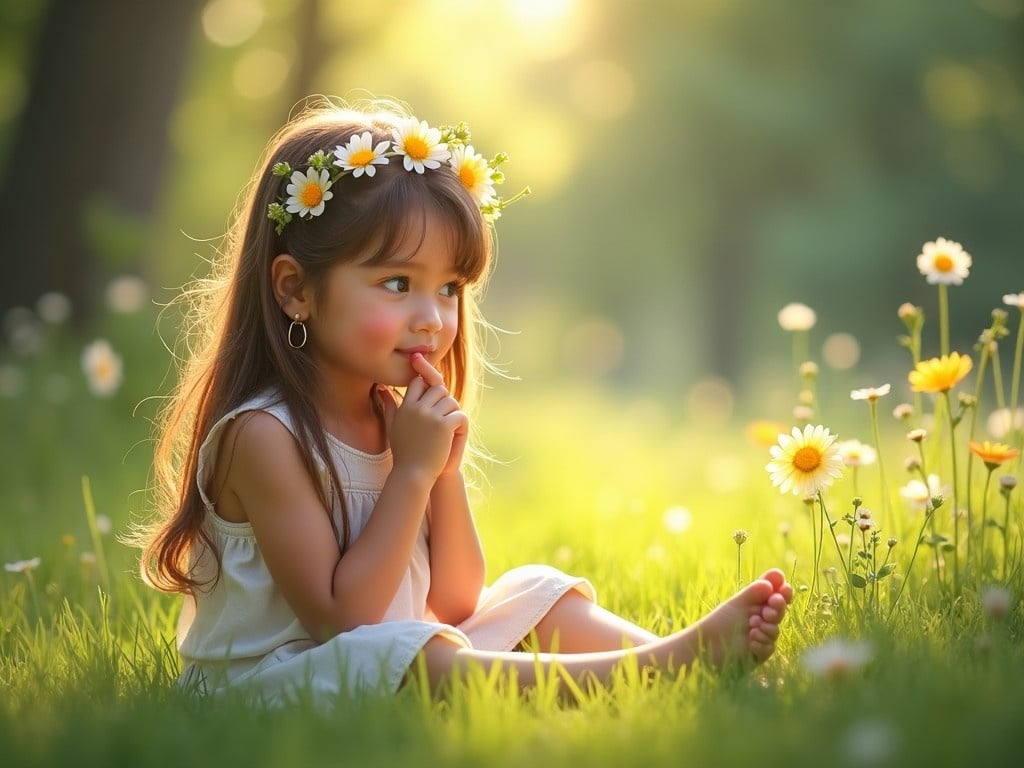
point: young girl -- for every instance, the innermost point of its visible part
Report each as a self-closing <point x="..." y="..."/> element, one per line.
<point x="310" y="463"/>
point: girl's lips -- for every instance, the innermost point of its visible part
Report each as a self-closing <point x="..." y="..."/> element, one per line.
<point x="425" y="351"/>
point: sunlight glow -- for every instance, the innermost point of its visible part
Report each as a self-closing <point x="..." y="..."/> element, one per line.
<point x="231" y="22"/>
<point x="548" y="28"/>
<point x="541" y="11"/>
<point x="602" y="89"/>
<point x="260" y="72"/>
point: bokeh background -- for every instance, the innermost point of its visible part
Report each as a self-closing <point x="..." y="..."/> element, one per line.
<point x="695" y="165"/>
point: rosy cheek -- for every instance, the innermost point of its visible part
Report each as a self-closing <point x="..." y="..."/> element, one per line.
<point x="378" y="327"/>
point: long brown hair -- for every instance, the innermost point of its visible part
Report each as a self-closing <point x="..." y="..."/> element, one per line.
<point x="235" y="334"/>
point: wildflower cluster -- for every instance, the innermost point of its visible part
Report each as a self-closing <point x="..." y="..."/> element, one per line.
<point x="809" y="460"/>
<point x="421" y="148"/>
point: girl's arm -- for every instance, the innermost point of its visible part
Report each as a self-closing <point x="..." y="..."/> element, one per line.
<point x="456" y="557"/>
<point x="268" y="483"/>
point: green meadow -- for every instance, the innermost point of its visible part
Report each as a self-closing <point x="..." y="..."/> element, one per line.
<point x="908" y="654"/>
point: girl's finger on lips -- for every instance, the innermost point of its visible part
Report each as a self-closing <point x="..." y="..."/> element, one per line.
<point x="429" y="373"/>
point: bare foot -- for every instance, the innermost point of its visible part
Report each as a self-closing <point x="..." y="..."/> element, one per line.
<point x="745" y="625"/>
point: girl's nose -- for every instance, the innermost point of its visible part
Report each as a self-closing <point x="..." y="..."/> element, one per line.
<point x="428" y="317"/>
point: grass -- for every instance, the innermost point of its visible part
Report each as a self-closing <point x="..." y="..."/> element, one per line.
<point x="87" y="659"/>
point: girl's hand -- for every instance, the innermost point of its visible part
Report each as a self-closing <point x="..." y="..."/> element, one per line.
<point x="428" y="431"/>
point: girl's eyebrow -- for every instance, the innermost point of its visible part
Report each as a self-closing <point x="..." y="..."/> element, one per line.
<point x="403" y="264"/>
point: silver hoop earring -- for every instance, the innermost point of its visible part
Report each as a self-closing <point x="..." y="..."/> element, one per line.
<point x="297" y="325"/>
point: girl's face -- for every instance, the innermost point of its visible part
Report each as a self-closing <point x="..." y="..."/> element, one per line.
<point x="373" y="318"/>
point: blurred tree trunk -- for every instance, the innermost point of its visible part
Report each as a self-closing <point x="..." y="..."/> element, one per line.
<point x="85" y="164"/>
<point x="312" y="51"/>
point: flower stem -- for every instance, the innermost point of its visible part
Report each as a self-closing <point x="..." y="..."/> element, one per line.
<point x="978" y="387"/>
<point x="929" y="512"/>
<point x="984" y="522"/>
<point x="739" y="572"/>
<point x="1006" y="540"/>
<point x="956" y="498"/>
<point x="886" y="501"/>
<point x="944" y="318"/>
<point x="1015" y="380"/>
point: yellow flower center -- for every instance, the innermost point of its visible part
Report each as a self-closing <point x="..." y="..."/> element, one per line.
<point x="467" y="176"/>
<point x="416" y="148"/>
<point x="943" y="262"/>
<point x="311" y="195"/>
<point x="361" y="157"/>
<point x="104" y="370"/>
<point x="807" y="459"/>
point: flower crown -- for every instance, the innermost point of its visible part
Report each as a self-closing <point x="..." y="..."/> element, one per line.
<point x="420" y="147"/>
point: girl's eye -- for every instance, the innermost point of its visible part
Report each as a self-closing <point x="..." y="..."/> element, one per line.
<point x="397" y="284"/>
<point x="450" y="290"/>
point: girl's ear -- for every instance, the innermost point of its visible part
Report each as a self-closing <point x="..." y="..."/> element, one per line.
<point x="287" y="277"/>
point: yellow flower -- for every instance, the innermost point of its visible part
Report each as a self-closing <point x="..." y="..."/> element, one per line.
<point x="474" y="173"/>
<point x="940" y="374"/>
<point x="944" y="261"/>
<point x="360" y="155"/>
<point x="764" y="432"/>
<point x="805" y="462"/>
<point x="421" y="145"/>
<point x="308" y="192"/>
<point x="993" y="454"/>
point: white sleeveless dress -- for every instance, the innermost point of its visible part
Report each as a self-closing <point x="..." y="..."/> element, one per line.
<point x="240" y="633"/>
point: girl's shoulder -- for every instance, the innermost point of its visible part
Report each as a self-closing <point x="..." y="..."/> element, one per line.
<point x="264" y="415"/>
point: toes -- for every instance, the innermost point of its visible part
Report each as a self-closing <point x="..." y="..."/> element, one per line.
<point x="775" y="577"/>
<point x="761" y="650"/>
<point x="777" y="602"/>
<point x="771" y="615"/>
<point x="786" y="591"/>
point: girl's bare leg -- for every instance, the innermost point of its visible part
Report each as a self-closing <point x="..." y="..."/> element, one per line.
<point x="745" y="625"/>
<point x="575" y="624"/>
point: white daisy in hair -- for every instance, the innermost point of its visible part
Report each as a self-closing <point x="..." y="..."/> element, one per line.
<point x="420" y="144"/>
<point x="475" y="174"/>
<point x="308" y="192"/>
<point x="360" y="155"/>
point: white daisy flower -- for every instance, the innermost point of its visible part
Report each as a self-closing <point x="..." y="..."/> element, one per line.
<point x="856" y="454"/>
<point x="308" y="192"/>
<point x="21" y="566"/>
<point x="126" y="294"/>
<point x="797" y="317"/>
<point x="360" y="155"/>
<point x="805" y="462"/>
<point x="1002" y="421"/>
<point x="102" y="367"/>
<point x="837" y="658"/>
<point x="475" y="174"/>
<point x="944" y="261"/>
<point x="917" y="494"/>
<point x="870" y="393"/>
<point x="420" y="144"/>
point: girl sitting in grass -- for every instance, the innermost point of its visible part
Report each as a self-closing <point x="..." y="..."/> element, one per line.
<point x="310" y="463"/>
